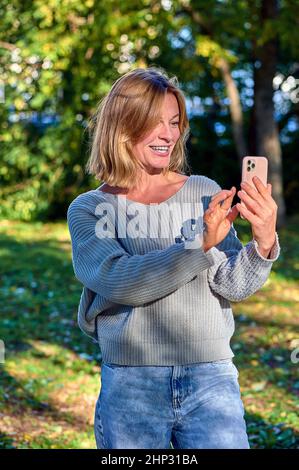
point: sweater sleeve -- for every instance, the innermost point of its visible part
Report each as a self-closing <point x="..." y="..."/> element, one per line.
<point x="102" y="265"/>
<point x="243" y="270"/>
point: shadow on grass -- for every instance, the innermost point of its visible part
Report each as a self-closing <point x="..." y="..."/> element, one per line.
<point x="6" y="442"/>
<point x="40" y="297"/>
<point x="264" y="435"/>
<point x="270" y="382"/>
<point x="15" y="397"/>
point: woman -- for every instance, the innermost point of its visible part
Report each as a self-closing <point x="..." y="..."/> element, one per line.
<point x="157" y="300"/>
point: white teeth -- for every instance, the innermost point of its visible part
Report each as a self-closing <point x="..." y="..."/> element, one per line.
<point x="160" y="148"/>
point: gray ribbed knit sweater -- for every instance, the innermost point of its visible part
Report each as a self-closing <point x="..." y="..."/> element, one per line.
<point x="151" y="295"/>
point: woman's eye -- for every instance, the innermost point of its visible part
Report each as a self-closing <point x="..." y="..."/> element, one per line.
<point x="176" y="123"/>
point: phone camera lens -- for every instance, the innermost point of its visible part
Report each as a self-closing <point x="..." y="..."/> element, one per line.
<point x="253" y="165"/>
<point x="248" y="162"/>
<point x="248" y="168"/>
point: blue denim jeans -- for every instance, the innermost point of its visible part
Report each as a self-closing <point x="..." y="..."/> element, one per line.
<point x="194" y="406"/>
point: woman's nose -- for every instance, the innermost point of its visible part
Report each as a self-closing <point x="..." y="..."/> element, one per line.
<point x="165" y="132"/>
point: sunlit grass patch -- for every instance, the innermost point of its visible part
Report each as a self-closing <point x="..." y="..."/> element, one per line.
<point x="47" y="396"/>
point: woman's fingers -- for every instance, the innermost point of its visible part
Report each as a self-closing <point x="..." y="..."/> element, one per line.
<point x="248" y="215"/>
<point x="222" y="195"/>
<point x="234" y="212"/>
<point x="226" y="212"/>
<point x="269" y="187"/>
<point x="228" y="202"/>
<point x="250" y="203"/>
<point x="210" y="212"/>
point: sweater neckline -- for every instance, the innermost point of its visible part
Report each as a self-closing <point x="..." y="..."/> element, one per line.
<point x="152" y="203"/>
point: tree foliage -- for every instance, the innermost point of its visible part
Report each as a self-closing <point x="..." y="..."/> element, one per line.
<point x="58" y="58"/>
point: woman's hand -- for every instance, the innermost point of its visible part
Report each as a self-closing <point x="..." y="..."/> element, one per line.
<point x="261" y="212"/>
<point x="218" y="219"/>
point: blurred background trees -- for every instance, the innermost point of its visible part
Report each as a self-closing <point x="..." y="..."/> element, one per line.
<point x="237" y="62"/>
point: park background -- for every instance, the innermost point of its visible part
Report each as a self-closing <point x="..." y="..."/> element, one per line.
<point x="237" y="62"/>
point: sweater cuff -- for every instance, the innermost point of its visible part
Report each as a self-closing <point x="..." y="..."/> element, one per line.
<point x="274" y="253"/>
<point x="215" y="256"/>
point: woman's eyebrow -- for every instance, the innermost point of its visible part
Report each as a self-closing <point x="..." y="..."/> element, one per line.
<point x="175" y="115"/>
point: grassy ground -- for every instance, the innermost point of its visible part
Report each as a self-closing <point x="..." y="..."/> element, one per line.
<point x="51" y="376"/>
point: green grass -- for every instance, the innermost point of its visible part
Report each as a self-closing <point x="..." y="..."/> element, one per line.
<point x="51" y="376"/>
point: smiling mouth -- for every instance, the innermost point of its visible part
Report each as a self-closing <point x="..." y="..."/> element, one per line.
<point x="161" y="149"/>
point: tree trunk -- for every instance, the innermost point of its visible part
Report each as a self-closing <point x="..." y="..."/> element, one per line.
<point x="266" y="131"/>
<point x="235" y="107"/>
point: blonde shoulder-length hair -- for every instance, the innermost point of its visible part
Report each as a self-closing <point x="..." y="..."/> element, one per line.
<point x="124" y="116"/>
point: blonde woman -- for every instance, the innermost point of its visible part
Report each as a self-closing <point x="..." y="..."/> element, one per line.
<point x="160" y="261"/>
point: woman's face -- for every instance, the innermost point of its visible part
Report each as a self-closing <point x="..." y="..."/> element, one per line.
<point x="154" y="151"/>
